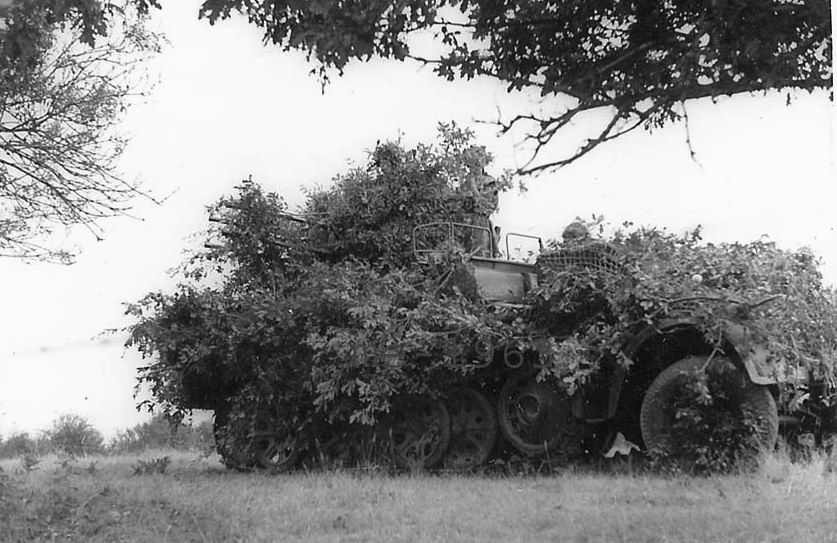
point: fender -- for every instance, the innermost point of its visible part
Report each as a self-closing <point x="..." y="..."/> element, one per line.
<point x="652" y="330"/>
<point x="754" y="356"/>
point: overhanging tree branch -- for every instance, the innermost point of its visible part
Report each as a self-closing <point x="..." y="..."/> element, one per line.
<point x="636" y="56"/>
<point x="58" y="147"/>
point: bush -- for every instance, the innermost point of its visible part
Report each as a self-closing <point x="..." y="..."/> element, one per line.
<point x="160" y="433"/>
<point x="73" y="435"/>
<point x="18" y="444"/>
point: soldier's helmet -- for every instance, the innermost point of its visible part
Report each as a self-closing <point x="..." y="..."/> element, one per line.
<point x="575" y="231"/>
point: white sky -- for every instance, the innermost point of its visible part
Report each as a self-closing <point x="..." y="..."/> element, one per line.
<point x="226" y="107"/>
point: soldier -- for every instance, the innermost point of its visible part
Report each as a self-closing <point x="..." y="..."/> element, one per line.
<point x="480" y="197"/>
<point x="576" y="232"/>
<point x="495" y="243"/>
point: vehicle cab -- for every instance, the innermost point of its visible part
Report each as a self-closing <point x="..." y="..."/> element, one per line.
<point x="499" y="278"/>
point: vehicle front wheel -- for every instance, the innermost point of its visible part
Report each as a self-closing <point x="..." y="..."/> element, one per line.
<point x="714" y="404"/>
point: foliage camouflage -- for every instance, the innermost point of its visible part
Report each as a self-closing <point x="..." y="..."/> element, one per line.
<point x="334" y="323"/>
<point x="346" y="329"/>
<point x="778" y="293"/>
<point x="711" y="433"/>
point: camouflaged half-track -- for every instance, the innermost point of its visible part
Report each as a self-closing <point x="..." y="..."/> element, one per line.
<point x="616" y="409"/>
<point x="504" y="409"/>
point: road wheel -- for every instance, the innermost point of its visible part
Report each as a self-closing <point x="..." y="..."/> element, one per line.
<point x="232" y="441"/>
<point x="473" y="429"/>
<point x="274" y="447"/>
<point x="419" y="433"/>
<point x="534" y="417"/>
<point x="672" y="391"/>
<point x="246" y="442"/>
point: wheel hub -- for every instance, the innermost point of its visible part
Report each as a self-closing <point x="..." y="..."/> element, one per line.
<point x="533" y="416"/>
<point x="529" y="408"/>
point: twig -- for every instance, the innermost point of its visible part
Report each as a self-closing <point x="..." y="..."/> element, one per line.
<point x="689" y="135"/>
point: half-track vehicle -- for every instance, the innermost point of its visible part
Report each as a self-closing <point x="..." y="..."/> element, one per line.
<point x="503" y="406"/>
<point x="538" y="418"/>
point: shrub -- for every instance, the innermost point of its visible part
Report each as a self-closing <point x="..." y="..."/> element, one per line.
<point x="161" y="433"/>
<point x="148" y="467"/>
<point x="18" y="444"/>
<point x="73" y="435"/>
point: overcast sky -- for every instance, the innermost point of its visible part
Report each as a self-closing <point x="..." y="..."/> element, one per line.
<point x="227" y="107"/>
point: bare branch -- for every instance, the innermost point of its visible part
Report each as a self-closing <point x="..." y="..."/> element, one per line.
<point x="689" y="135"/>
<point x="58" y="149"/>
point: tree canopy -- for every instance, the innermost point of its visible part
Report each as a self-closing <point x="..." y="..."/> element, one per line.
<point x="67" y="76"/>
<point x="28" y="27"/>
<point x="638" y="60"/>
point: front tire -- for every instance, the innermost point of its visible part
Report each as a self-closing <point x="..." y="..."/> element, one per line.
<point x="669" y="393"/>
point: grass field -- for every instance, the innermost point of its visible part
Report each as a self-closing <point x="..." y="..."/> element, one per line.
<point x="100" y="499"/>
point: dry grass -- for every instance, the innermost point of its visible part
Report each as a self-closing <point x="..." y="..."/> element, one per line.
<point x="197" y="500"/>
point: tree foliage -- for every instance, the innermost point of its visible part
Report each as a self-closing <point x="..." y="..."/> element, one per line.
<point x="64" y="87"/>
<point x="333" y="322"/>
<point x="28" y="26"/>
<point x="638" y="61"/>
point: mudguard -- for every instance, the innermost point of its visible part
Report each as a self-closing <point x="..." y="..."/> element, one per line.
<point x="754" y="356"/>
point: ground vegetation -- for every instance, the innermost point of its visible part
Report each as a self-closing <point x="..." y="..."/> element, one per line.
<point x="196" y="500"/>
